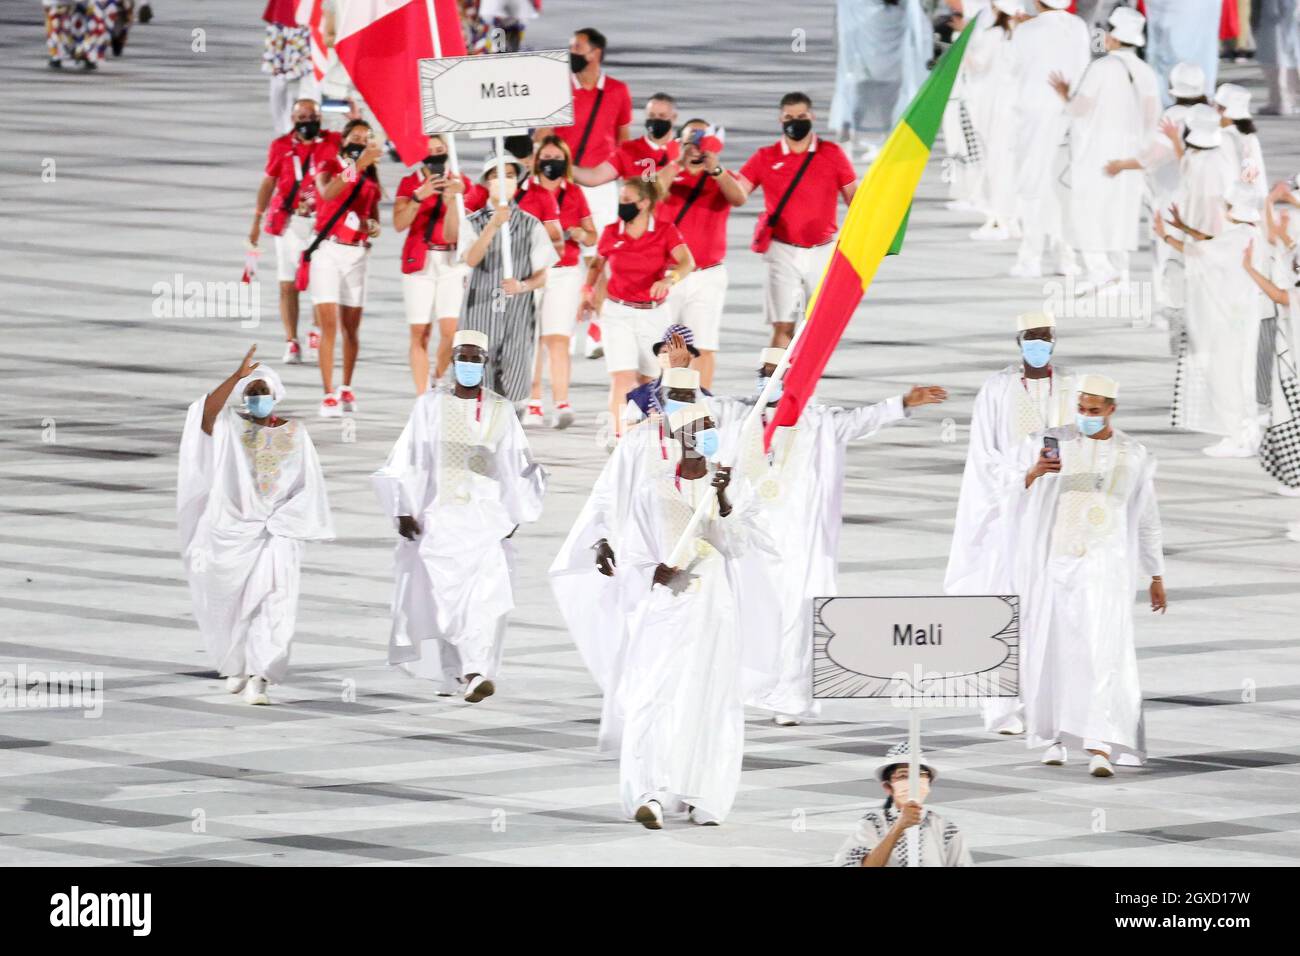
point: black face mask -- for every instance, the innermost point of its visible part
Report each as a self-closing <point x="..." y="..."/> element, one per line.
<point x="658" y="128"/>
<point x="627" y="211"/>
<point x="353" y="151"/>
<point x="797" y="129"/>
<point x="308" y="129"/>
<point x="577" y="62"/>
<point x="553" y="168"/>
<point x="435" y="164"/>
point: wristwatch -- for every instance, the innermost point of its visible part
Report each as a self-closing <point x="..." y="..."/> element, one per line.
<point x="716" y="172"/>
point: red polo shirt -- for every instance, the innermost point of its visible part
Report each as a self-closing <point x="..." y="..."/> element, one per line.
<point x="573" y="209"/>
<point x="637" y="156"/>
<point x="637" y="264"/>
<point x="351" y="226"/>
<point x="537" y="203"/>
<point x="705" y="224"/>
<point x="812" y="214"/>
<point x="407" y="187"/>
<point x="615" y="113"/>
<point x="288" y="158"/>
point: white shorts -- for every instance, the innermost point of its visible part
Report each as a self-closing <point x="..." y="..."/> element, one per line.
<point x="289" y="246"/>
<point x="792" y="275"/>
<point x="696" y="302"/>
<point x="436" y="291"/>
<point x="338" y="274"/>
<point x="603" y="203"/>
<point x="628" y="335"/>
<point x="561" y="298"/>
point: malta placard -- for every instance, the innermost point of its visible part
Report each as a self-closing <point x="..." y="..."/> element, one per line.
<point x="939" y="651"/>
<point x="498" y="91"/>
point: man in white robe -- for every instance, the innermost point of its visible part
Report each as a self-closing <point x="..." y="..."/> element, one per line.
<point x="1183" y="31"/>
<point x="680" y="680"/>
<point x="1054" y="41"/>
<point x="459" y="483"/>
<point x="249" y="493"/>
<point x="798" y="490"/>
<point x="1022" y="399"/>
<point x="1215" y="384"/>
<point x="1086" y="528"/>
<point x="1113" y="110"/>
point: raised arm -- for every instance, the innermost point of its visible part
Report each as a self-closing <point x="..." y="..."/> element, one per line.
<point x="220" y="395"/>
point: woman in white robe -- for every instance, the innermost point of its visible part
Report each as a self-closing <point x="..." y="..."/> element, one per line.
<point x="459" y="481"/>
<point x="249" y="493"/>
<point x="990" y="94"/>
<point x="882" y="47"/>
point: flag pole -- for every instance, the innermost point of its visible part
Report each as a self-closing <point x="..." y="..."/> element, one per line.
<point x="507" y="266"/>
<point x="913" y="779"/>
<point x="450" y="138"/>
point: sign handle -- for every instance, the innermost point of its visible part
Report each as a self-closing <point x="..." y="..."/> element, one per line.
<point x="913" y="780"/>
<point x="507" y="264"/>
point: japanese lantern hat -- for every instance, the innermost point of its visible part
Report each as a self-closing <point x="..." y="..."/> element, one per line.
<point x="1203" y="126"/>
<point x="1035" y="320"/>
<point x="1186" y="81"/>
<point x="1126" y="26"/>
<point x="900" y="754"/>
<point x="691" y="413"/>
<point x="1010" y="7"/>
<point x="682" y="378"/>
<point x="1099" y="385"/>
<point x="470" y="337"/>
<point x="1235" y="101"/>
<point x="771" y="356"/>
<point x="1056" y="4"/>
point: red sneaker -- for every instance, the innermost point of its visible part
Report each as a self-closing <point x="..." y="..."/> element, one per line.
<point x="348" y="398"/>
<point x="329" y="407"/>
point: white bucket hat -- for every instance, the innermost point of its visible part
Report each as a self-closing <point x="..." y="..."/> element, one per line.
<point x="1186" y="81"/>
<point x="1203" y="126"/>
<point x="1126" y="26"/>
<point x="901" y="754"/>
<point x="1235" y="101"/>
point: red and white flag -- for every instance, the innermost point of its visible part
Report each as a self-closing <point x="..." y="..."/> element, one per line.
<point x="308" y="14"/>
<point x="380" y="42"/>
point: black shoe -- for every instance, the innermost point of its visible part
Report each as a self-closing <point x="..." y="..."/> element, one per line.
<point x="117" y="42"/>
<point x="145" y="13"/>
<point x="89" y="65"/>
<point x="55" y="64"/>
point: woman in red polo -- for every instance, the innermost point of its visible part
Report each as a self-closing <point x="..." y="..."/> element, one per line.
<point x="645" y="258"/>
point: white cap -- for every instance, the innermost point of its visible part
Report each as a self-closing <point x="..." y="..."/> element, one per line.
<point x="1056" y="4"/>
<point x="1235" y="101"/>
<point x="1186" y="81"/>
<point x="470" y="337"/>
<point x="1203" y="126"/>
<point x="1126" y="26"/>
<point x="268" y="375"/>
<point x="1035" y="320"/>
<point x="682" y="378"/>
<point x="1009" y="7"/>
<point x="490" y="163"/>
<point x="771" y="356"/>
<point x="684" y="416"/>
<point x="1099" y="385"/>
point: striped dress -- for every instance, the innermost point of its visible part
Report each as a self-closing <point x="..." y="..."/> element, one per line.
<point x="509" y="321"/>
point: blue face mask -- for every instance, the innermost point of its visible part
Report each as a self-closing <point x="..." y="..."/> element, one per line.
<point x="1090" y="424"/>
<point x="706" y="442"/>
<point x="1037" y="352"/>
<point x="259" y="406"/>
<point x="469" y="374"/>
<point x="671" y="406"/>
<point x="777" y="391"/>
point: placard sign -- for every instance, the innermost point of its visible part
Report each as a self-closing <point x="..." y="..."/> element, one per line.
<point x="497" y="91"/>
<point x="940" y="651"/>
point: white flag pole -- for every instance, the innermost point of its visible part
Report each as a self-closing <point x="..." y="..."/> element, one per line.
<point x="453" y="161"/>
<point x="913" y="780"/>
<point x="507" y="266"/>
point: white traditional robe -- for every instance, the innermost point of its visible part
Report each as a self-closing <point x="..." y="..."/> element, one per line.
<point x="465" y="473"/>
<point x="680" y="681"/>
<point x="1008" y="408"/>
<point x="1086" y="539"/>
<point x="1161" y="166"/>
<point x="1204" y="180"/>
<point x="1214" y="389"/>
<point x="798" y="498"/>
<point x="247" y="497"/>
<point x="882" y="52"/>
<point x="1183" y="31"/>
<point x="1052" y="42"/>
<point x="990" y="94"/>
<point x="1250" y="160"/>
<point x="1113" y="112"/>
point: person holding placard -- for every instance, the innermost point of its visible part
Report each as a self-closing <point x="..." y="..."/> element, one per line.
<point x="1085" y="528"/>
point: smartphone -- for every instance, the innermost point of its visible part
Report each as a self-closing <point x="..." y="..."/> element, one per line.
<point x="1051" y="447"/>
<point x="696" y="137"/>
<point x="436" y="166"/>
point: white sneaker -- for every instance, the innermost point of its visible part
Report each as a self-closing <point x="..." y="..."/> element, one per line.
<point x="704" y="818"/>
<point x="1025" y="270"/>
<point x="650" y="815"/>
<point x="1293" y="531"/>
<point x="1099" y="766"/>
<point x="990" y="232"/>
<point x="330" y="407"/>
<point x="1227" y="448"/>
<point x="235" y="684"/>
<point x="1054" y="756"/>
<point x="1012" y="727"/>
<point x="292" y="352"/>
<point x="563" y="416"/>
<point x="1286" y="491"/>
<point x="478" y="689"/>
<point x="785" y="720"/>
<point x="533" y="417"/>
<point x="255" y="692"/>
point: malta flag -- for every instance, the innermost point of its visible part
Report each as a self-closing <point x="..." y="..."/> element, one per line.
<point x="873" y="228"/>
<point x="380" y="43"/>
<point x="308" y="14"/>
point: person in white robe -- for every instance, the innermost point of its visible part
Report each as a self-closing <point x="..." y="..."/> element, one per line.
<point x="1054" y="41"/>
<point x="798" y="487"/>
<point x="1020" y="400"/>
<point x="1086" y="528"/>
<point x="1214" y="387"/>
<point x="458" y="483"/>
<point x="1208" y="167"/>
<point x="1113" y="110"/>
<point x="1239" y="132"/>
<point x="1183" y="31"/>
<point x="882" y="48"/>
<point x="990" y="94"/>
<point x="1276" y="25"/>
<point x="881" y="836"/>
<point x="963" y="142"/>
<point x="249" y="494"/>
<point x="680" y="680"/>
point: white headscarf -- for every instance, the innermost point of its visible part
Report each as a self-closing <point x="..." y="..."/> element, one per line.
<point x="272" y="378"/>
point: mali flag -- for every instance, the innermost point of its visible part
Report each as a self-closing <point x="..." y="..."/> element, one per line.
<point x="873" y="228"/>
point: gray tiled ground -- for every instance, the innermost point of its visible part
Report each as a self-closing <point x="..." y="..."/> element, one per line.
<point x="157" y="158"/>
